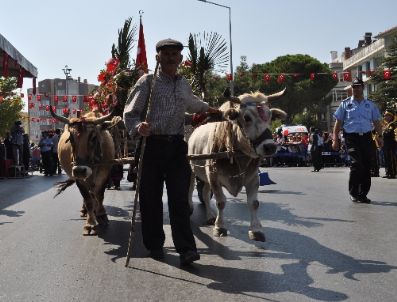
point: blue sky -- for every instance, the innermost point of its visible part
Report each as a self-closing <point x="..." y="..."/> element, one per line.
<point x="80" y="33"/>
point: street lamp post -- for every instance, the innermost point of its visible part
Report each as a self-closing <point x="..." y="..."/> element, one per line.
<point x="67" y="71"/>
<point x="230" y="40"/>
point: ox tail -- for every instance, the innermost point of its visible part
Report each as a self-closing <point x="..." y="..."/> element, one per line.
<point x="62" y="185"/>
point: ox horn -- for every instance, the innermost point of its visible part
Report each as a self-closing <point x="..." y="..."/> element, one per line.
<point x="104" y="118"/>
<point x="227" y="96"/>
<point x="58" y="117"/>
<point x="276" y="95"/>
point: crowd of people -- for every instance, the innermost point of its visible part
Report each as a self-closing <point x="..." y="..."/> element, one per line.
<point x="19" y="151"/>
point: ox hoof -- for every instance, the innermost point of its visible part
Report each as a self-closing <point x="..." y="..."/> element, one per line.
<point x="102" y="220"/>
<point x="89" y="230"/>
<point x="257" y="236"/>
<point x="211" y="221"/>
<point x="220" y="232"/>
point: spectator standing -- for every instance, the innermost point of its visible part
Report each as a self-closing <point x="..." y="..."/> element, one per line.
<point x="55" y="159"/>
<point x="389" y="148"/>
<point x="26" y="152"/>
<point x="17" y="132"/>
<point x="358" y="116"/>
<point x="315" y="150"/>
<point x="46" y="146"/>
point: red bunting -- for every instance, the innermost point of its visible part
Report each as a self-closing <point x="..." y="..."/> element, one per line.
<point x="74" y="99"/>
<point x="335" y="76"/>
<point x="347" y="76"/>
<point x="229" y="77"/>
<point x="387" y="74"/>
<point x="281" y="78"/>
<point x="266" y="77"/>
<point x="65" y="110"/>
<point x="29" y="97"/>
<point x="20" y="77"/>
<point x="34" y="85"/>
<point x="5" y="64"/>
<point x="65" y="98"/>
<point x="38" y="97"/>
<point x="312" y="76"/>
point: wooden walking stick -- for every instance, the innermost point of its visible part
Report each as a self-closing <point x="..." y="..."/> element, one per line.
<point x="139" y="172"/>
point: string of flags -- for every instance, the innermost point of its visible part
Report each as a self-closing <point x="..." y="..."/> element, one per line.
<point x="35" y="101"/>
<point x="281" y="77"/>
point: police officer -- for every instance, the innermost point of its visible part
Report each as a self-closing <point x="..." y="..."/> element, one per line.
<point x="164" y="159"/>
<point x="358" y="116"/>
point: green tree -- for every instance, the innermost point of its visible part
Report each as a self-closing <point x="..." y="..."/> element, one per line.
<point x="11" y="104"/>
<point x="303" y="93"/>
<point x="386" y="90"/>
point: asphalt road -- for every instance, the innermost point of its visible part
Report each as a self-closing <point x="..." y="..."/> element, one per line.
<point x="320" y="246"/>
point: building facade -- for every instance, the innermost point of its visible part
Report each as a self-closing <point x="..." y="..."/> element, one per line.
<point x="66" y="95"/>
<point x="359" y="62"/>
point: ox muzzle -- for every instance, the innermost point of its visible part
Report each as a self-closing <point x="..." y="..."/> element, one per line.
<point x="80" y="170"/>
<point x="265" y="140"/>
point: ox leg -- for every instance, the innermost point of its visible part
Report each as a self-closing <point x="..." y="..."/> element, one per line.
<point x="255" y="230"/>
<point x="90" y="224"/>
<point x="101" y="215"/>
<point x="211" y="217"/>
<point x="219" y="227"/>
<point x="83" y="211"/>
<point x="191" y="189"/>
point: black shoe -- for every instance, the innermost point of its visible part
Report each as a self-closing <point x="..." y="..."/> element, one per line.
<point x="353" y="198"/>
<point x="364" y="199"/>
<point x="188" y="257"/>
<point x="157" y="254"/>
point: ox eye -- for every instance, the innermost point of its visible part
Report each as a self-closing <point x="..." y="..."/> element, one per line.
<point x="247" y="118"/>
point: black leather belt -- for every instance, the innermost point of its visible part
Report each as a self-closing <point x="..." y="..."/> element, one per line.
<point x="167" y="138"/>
<point x="358" y="133"/>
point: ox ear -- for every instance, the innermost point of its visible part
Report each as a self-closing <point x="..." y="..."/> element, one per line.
<point x="231" y="114"/>
<point x="278" y="114"/>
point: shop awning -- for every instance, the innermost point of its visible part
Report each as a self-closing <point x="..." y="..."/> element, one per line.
<point x="15" y="61"/>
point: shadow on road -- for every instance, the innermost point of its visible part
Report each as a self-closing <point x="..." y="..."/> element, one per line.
<point x="13" y="191"/>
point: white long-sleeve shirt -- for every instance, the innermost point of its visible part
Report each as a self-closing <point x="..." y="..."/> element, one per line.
<point x="172" y="97"/>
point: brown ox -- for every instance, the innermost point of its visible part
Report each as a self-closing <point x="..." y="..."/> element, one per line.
<point x="248" y="136"/>
<point x="85" y="148"/>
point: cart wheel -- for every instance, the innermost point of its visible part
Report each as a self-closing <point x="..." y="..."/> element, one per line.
<point x="199" y="187"/>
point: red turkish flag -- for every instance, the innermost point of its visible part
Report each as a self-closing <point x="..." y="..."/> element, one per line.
<point x="312" y="76"/>
<point x="347" y="76"/>
<point x="387" y="74"/>
<point x="141" y="60"/>
<point x="335" y="76"/>
<point x="229" y="77"/>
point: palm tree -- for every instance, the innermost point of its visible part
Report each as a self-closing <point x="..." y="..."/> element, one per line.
<point x="207" y="51"/>
<point x="127" y="76"/>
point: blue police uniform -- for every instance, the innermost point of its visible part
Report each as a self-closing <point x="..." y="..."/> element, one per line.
<point x="357" y="118"/>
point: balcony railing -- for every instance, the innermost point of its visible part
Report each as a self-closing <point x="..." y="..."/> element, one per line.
<point x="364" y="53"/>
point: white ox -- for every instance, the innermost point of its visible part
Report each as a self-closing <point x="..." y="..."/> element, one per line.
<point x="247" y="133"/>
